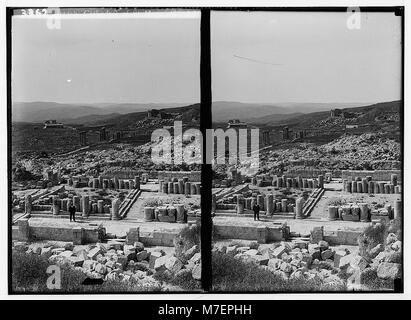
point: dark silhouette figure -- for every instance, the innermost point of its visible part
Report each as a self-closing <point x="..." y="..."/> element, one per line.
<point x="256" y="210"/>
<point x="72" y="211"/>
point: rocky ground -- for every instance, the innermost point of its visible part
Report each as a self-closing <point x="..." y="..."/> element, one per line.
<point x="340" y="266"/>
<point x="118" y="261"/>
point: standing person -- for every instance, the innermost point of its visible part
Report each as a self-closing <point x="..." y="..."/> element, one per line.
<point x="72" y="211"/>
<point x="256" y="210"/>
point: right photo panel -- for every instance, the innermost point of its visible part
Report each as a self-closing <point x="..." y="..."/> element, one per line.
<point x="307" y="169"/>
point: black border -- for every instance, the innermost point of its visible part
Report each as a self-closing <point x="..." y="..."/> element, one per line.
<point x="205" y="122"/>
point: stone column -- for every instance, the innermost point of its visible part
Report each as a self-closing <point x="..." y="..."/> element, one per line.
<point x="279" y="182"/>
<point x="176" y="187"/>
<point x="100" y="206"/>
<point x="213" y="202"/>
<point x="28" y="204"/>
<point x="305" y="184"/>
<point x="269" y="204"/>
<point x="370" y="186"/>
<point x="181" y="186"/>
<point x="55" y="207"/>
<point x="382" y="187"/>
<point x="284" y="205"/>
<point x="359" y="186"/>
<point x="137" y="182"/>
<point x="240" y="204"/>
<point x="300" y="182"/>
<point x="95" y="183"/>
<point x="116" y="183"/>
<point x="100" y="181"/>
<point x="321" y="181"/>
<point x="364" y="185"/>
<point x="148" y="214"/>
<point x="394" y="179"/>
<point x="260" y="201"/>
<point x="398" y="209"/>
<point x="187" y="188"/>
<point x="274" y="182"/>
<point x="364" y="216"/>
<point x="180" y="212"/>
<point x="349" y="189"/>
<point x="171" y="187"/>
<point x="299" y="208"/>
<point x="387" y="189"/>
<point x="332" y="213"/>
<point x="86" y="207"/>
<point x="115" y="206"/>
<point x="354" y="186"/>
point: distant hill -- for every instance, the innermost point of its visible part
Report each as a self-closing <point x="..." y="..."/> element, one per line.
<point x="130" y="119"/>
<point x="227" y="110"/>
<point x="65" y="112"/>
<point x="363" y="114"/>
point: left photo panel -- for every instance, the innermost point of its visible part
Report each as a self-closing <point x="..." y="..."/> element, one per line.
<point x="104" y="164"/>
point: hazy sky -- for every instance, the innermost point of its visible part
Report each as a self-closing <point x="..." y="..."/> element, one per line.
<point x="321" y="60"/>
<point x="106" y="60"/>
<point x="256" y="57"/>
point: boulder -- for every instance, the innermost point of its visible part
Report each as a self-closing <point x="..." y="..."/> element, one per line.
<point x="173" y="264"/>
<point x="323" y="245"/>
<point x="391" y="238"/>
<point x="139" y="246"/>
<point x="196" y="272"/>
<point x="251" y="252"/>
<point x="196" y="258"/>
<point x="153" y="257"/>
<point x="389" y="270"/>
<point x="279" y="251"/>
<point x="100" y="268"/>
<point x="93" y="253"/>
<point x="159" y="264"/>
<point x="337" y="257"/>
<point x="189" y="253"/>
<point x="66" y="254"/>
<point x="274" y="263"/>
<point x="130" y="252"/>
<point x="231" y="250"/>
<point x="142" y="255"/>
<point x="327" y="254"/>
<point x="89" y="265"/>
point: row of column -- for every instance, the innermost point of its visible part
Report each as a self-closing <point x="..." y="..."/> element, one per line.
<point x="82" y="204"/>
<point x="267" y="204"/>
<point x="114" y="183"/>
<point x="176" y="213"/>
<point x="181" y="186"/>
<point x="362" y="211"/>
<point x="369" y="186"/>
<point x="286" y="182"/>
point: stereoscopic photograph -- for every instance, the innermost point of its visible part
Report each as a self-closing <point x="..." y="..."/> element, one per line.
<point x="313" y="204"/>
<point x="206" y="150"/>
<point x="93" y="208"/>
